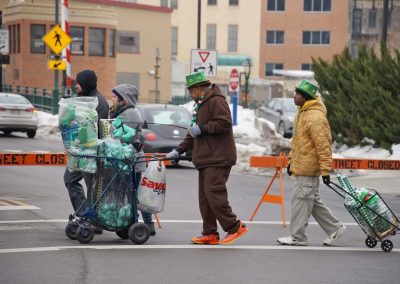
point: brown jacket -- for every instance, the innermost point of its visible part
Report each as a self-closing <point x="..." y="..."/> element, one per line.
<point x="311" y="153"/>
<point x="215" y="145"/>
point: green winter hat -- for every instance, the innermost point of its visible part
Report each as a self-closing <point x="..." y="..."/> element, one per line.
<point x="307" y="88"/>
<point x="196" y="79"/>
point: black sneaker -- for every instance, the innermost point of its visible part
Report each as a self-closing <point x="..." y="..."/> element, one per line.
<point x="152" y="229"/>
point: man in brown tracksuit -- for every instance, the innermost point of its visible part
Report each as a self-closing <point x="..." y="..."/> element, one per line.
<point x="214" y="153"/>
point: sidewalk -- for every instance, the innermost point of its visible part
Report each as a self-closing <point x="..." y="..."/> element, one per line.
<point x="387" y="182"/>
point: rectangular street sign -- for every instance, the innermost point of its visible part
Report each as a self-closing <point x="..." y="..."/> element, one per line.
<point x="204" y="60"/>
<point x="4" y="42"/>
<point x="57" y="64"/>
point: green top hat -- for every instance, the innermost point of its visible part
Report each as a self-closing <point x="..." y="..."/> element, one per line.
<point x="307" y="87"/>
<point x="196" y="79"/>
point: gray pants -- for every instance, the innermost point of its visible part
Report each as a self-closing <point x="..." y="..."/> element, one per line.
<point x="305" y="202"/>
<point x="75" y="189"/>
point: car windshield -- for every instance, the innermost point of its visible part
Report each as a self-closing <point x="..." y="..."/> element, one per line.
<point x="13" y="100"/>
<point x="179" y="117"/>
<point x="289" y="106"/>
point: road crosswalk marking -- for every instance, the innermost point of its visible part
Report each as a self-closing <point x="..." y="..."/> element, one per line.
<point x="12" y="204"/>
<point x="232" y="247"/>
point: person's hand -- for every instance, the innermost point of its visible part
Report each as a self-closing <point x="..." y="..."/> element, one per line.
<point x="194" y="130"/>
<point x="288" y="170"/>
<point x="326" y="179"/>
<point x="173" y="155"/>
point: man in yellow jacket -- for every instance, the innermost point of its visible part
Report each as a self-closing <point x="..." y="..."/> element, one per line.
<point x="309" y="158"/>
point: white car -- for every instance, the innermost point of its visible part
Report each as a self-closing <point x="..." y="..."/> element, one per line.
<point x="17" y="114"/>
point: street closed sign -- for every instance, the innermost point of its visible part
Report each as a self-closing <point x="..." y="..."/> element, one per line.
<point x="234" y="81"/>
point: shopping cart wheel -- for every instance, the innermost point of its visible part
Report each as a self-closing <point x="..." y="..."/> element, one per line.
<point x="70" y="230"/>
<point x="123" y="233"/>
<point x="84" y="234"/>
<point x="139" y="233"/>
<point x="370" y="242"/>
<point x="387" y="245"/>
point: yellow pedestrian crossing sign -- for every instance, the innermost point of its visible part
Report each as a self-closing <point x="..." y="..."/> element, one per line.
<point x="57" y="64"/>
<point x="56" y="39"/>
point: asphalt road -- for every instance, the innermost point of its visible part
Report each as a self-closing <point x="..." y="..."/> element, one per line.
<point x="34" y="248"/>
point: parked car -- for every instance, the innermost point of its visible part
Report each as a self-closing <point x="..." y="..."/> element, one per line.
<point x="17" y="114"/>
<point x="164" y="127"/>
<point x="281" y="112"/>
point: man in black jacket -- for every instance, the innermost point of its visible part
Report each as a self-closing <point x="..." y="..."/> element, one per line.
<point x="86" y="86"/>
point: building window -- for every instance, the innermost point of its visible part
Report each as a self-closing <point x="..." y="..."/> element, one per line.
<point x="276" y="5"/>
<point x="174" y="40"/>
<point x="275" y="37"/>
<point x="97" y="38"/>
<point x="306" y="66"/>
<point x="18" y="39"/>
<point x="211" y="36"/>
<point x="128" y="42"/>
<point x="164" y="3"/>
<point x="233" y="2"/>
<point x="37" y="32"/>
<point x="212" y="2"/>
<point x="78" y="40"/>
<point x="174" y="4"/>
<point x="128" y="78"/>
<point x="232" y="38"/>
<point x="357" y="18"/>
<point x="316" y="37"/>
<point x="372" y="18"/>
<point x="14" y="33"/>
<point x="111" y="43"/>
<point x="317" y="5"/>
<point x="269" y="68"/>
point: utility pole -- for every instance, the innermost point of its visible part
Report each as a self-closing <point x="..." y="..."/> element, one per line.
<point x="246" y="81"/>
<point x="198" y="22"/>
<point x="156" y="73"/>
<point x="385" y="21"/>
<point x="56" y="91"/>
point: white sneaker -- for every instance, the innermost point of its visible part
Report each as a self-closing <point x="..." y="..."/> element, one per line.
<point x="290" y="241"/>
<point x="332" y="238"/>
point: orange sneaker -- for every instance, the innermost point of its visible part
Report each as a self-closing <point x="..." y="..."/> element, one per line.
<point x="211" y="239"/>
<point x="231" y="238"/>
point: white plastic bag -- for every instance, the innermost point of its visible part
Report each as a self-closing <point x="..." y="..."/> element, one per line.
<point x="152" y="187"/>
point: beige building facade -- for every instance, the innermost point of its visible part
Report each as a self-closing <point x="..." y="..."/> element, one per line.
<point x="115" y="39"/>
<point x="229" y="27"/>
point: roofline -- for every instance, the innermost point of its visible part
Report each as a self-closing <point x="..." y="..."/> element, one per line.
<point x="131" y="5"/>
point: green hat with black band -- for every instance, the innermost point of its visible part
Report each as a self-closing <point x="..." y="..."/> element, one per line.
<point x="307" y="88"/>
<point x="196" y="79"/>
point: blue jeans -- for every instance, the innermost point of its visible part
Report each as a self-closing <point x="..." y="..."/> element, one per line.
<point x="147" y="217"/>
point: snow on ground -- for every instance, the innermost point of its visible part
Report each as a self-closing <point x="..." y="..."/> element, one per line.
<point x="254" y="137"/>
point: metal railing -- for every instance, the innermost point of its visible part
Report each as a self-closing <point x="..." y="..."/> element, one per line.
<point x="43" y="99"/>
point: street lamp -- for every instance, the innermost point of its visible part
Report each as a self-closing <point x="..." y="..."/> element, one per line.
<point x="247" y="65"/>
<point x="156" y="73"/>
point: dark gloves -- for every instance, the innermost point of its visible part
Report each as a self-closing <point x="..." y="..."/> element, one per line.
<point x="288" y="170"/>
<point x="326" y="179"/>
<point x="138" y="146"/>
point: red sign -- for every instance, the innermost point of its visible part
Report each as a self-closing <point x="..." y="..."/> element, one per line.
<point x="204" y="55"/>
<point x="234" y="80"/>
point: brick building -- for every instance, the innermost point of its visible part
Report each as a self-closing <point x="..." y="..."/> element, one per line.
<point x="115" y="39"/>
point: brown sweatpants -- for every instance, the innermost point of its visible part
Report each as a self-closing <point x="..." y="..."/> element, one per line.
<point x="213" y="201"/>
